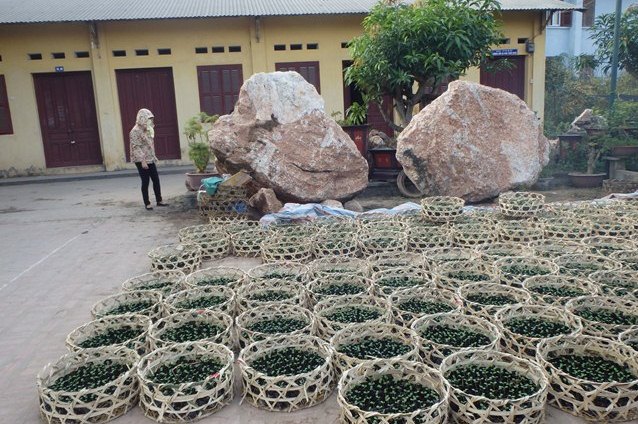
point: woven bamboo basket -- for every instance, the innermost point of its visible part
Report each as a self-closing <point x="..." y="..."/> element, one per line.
<point x="423" y="237"/>
<point x="213" y="240"/>
<point x="77" y="339"/>
<point x="542" y="289"/>
<point x="292" y="230"/>
<point x="606" y="245"/>
<point x="391" y="260"/>
<point x="330" y="243"/>
<point x="226" y="220"/>
<point x="321" y="288"/>
<point x="216" y="276"/>
<point x="286" y="250"/>
<point x="326" y="328"/>
<point x="391" y="279"/>
<point x="470" y="409"/>
<point x="246" y="320"/>
<point x="185" y="257"/>
<point x="599" y="303"/>
<point x="553" y="248"/>
<point x="399" y="369"/>
<point x="331" y="266"/>
<point x="442" y="208"/>
<point x="470" y="234"/>
<point x="488" y="311"/>
<point x="405" y="314"/>
<point x="190" y="400"/>
<point x="583" y="264"/>
<point x="623" y="283"/>
<point x="499" y="250"/>
<point x="247" y="243"/>
<point x="383" y="241"/>
<point x="452" y="275"/>
<point x="143" y="302"/>
<point x="226" y="202"/>
<point x="614" y="226"/>
<point x="440" y="255"/>
<point x="213" y="298"/>
<point x="567" y="228"/>
<point x="433" y="352"/>
<point x="287" y="392"/>
<point x="525" y="346"/>
<point x="166" y="282"/>
<point x="159" y="338"/>
<point x="254" y="294"/>
<point x="377" y="331"/>
<point x="520" y="231"/>
<point x="384" y="223"/>
<point x="513" y="270"/>
<point x="521" y="204"/>
<point x="628" y="259"/>
<point x="290" y="271"/>
<point x="592" y="401"/>
<point x="629" y="338"/>
<point x="97" y="405"/>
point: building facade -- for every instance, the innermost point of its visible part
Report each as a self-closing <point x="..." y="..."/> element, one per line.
<point x="569" y="32"/>
<point x="70" y="89"/>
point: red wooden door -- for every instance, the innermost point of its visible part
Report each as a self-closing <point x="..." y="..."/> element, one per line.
<point x="66" y="108"/>
<point x="375" y="118"/>
<point x="511" y="80"/>
<point x="152" y="89"/>
<point x="219" y="88"/>
<point x="308" y="70"/>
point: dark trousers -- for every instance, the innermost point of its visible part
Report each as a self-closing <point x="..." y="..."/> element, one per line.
<point x="146" y="175"/>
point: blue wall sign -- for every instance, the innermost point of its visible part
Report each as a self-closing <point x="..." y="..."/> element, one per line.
<point x="504" y="52"/>
<point x="59" y="69"/>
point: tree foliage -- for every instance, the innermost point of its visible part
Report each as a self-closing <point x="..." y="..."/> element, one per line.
<point x="407" y="51"/>
<point x="603" y="36"/>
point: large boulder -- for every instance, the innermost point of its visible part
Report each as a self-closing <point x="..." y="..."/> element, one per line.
<point x="280" y="133"/>
<point x="473" y="142"/>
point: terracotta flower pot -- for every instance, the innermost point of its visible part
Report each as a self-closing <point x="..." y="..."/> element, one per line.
<point x="581" y="180"/>
<point x="194" y="179"/>
<point x="624" y="150"/>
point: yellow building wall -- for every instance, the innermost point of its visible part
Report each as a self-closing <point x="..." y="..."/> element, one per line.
<point x="22" y="152"/>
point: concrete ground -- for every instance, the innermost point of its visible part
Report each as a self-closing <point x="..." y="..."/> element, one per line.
<point x="66" y="245"/>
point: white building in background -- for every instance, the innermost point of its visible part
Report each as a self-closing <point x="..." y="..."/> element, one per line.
<point x="569" y="32"/>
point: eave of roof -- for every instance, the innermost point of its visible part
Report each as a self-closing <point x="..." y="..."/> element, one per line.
<point x="48" y="11"/>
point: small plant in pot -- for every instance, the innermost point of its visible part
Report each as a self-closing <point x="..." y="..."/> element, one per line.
<point x="196" y="131"/>
<point x="354" y="124"/>
<point x="594" y="129"/>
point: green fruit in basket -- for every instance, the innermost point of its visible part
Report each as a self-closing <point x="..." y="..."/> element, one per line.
<point x="201" y="302"/>
<point x="340" y="289"/>
<point x="155" y="285"/>
<point x="491" y="382"/>
<point x="387" y="395"/>
<point x="474" y="276"/>
<point x="491" y="299"/>
<point x="593" y="368"/>
<point x="455" y="336"/>
<point x="270" y="296"/>
<point x="525" y="270"/>
<point x="536" y="327"/>
<point x="216" y="281"/>
<point x="352" y="314"/>
<point x="607" y="316"/>
<point x="418" y="306"/>
<point x="277" y="325"/>
<point x="185" y="370"/>
<point x="191" y="331"/>
<point x="111" y="336"/>
<point x="89" y="376"/>
<point x="287" y="361"/>
<point x="370" y="347"/>
<point x="130" y="307"/>
<point x="563" y="291"/>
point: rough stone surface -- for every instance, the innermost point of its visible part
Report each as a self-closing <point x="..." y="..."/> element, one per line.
<point x="265" y="201"/>
<point x="353" y="206"/>
<point x="473" y="142"/>
<point x="587" y="121"/>
<point x="378" y="139"/>
<point x="280" y="133"/>
<point x="332" y="203"/>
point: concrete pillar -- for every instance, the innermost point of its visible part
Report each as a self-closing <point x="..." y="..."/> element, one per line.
<point x="257" y="47"/>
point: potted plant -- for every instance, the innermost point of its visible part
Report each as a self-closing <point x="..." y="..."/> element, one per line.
<point x="354" y="125"/>
<point x="594" y="146"/>
<point x="196" y="131"/>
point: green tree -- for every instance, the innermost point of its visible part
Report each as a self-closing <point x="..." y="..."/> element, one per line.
<point x="408" y="51"/>
<point x="603" y="36"/>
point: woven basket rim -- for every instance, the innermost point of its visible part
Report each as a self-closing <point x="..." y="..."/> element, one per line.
<point x="137" y="320"/>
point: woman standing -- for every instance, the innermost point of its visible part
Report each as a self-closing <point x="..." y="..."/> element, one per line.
<point x="143" y="154"/>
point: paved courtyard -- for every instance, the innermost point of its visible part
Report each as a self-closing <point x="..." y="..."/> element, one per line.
<point x="66" y="245"/>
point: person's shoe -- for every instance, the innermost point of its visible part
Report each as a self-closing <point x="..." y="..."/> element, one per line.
<point x="162" y="204"/>
<point x="148" y="207"/>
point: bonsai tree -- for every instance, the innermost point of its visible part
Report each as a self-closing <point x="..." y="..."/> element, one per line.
<point x="196" y="131"/>
<point x="409" y="50"/>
